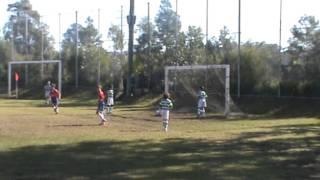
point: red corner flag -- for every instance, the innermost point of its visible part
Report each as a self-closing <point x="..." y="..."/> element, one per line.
<point x="16" y="75"/>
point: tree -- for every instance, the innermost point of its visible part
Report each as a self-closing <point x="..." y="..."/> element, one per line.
<point x="27" y="41"/>
<point x="168" y="26"/>
<point x="117" y="37"/>
<point x="89" y="48"/>
<point x="147" y="51"/>
<point x="303" y="71"/>
<point x="194" y="46"/>
<point x="305" y="45"/>
<point x="118" y="61"/>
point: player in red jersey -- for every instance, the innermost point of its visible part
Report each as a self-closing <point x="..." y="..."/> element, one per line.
<point x="101" y="105"/>
<point x="55" y="97"/>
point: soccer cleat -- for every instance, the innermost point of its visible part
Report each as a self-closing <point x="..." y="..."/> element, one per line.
<point x="102" y="123"/>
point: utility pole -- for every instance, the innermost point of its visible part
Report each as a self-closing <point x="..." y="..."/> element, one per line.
<point x="207" y="22"/>
<point x="177" y="26"/>
<point x="206" y="45"/>
<point x="131" y="21"/>
<point x="121" y="27"/>
<point x="12" y="43"/>
<point x="77" y="52"/>
<point x="42" y="44"/>
<point x="239" y="52"/>
<point x="280" y="49"/>
<point x="27" y="48"/>
<point x="59" y="36"/>
<point x="150" y="68"/>
<point x="149" y="33"/>
<point x="121" y="86"/>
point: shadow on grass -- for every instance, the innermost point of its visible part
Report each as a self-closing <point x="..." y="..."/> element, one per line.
<point x="277" y="107"/>
<point x="173" y="158"/>
<point x="73" y="125"/>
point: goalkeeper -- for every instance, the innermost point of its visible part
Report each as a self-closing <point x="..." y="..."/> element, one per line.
<point x="110" y="100"/>
<point x="202" y="102"/>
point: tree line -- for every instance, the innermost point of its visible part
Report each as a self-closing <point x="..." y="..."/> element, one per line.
<point x="265" y="68"/>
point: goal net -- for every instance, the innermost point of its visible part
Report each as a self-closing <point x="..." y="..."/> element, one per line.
<point x="183" y="83"/>
<point x="35" y="73"/>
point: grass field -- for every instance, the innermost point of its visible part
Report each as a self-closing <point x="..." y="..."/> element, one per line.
<point x="37" y="144"/>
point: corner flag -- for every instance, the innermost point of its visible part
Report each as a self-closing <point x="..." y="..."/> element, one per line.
<point x="17" y="77"/>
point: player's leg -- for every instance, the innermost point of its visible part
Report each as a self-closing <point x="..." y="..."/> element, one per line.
<point x="204" y="105"/>
<point x="102" y="118"/>
<point x="46" y="98"/>
<point x="111" y="108"/>
<point x="199" y="109"/>
<point x="165" y="119"/>
<point x="57" y="105"/>
<point x="101" y="114"/>
<point x="110" y="104"/>
<point x="54" y="104"/>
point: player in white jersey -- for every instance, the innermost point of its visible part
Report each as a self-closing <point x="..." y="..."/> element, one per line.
<point x="165" y="106"/>
<point x="110" y="100"/>
<point x="47" y="90"/>
<point x="202" y="103"/>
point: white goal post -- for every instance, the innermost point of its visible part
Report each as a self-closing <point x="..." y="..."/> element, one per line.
<point x="204" y="67"/>
<point x="34" y="62"/>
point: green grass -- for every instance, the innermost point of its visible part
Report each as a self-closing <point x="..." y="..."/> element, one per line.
<point x="37" y="144"/>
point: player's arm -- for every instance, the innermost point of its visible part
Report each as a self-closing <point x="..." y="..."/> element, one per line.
<point x="170" y="104"/>
<point x="59" y="94"/>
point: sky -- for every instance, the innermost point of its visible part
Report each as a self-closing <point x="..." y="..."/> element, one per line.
<point x="260" y="19"/>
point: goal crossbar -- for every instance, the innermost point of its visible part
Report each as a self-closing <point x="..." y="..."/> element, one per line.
<point x="197" y="67"/>
<point x="34" y="62"/>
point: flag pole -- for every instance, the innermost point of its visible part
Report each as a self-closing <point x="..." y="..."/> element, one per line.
<point x="16" y="78"/>
<point x="17" y="89"/>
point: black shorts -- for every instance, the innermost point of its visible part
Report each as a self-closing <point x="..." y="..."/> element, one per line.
<point x="55" y="101"/>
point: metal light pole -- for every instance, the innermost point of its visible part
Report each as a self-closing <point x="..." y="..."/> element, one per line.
<point x="206" y="46"/>
<point x="59" y="36"/>
<point x="42" y="44"/>
<point x="99" y="53"/>
<point x="27" y="48"/>
<point x="121" y="29"/>
<point x="239" y="52"/>
<point x="177" y="27"/>
<point x="280" y="48"/>
<point x="12" y="43"/>
<point x="77" y="52"/>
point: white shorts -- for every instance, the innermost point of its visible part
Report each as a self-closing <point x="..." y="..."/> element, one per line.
<point x="165" y="115"/>
<point x="202" y="103"/>
<point x="110" y="102"/>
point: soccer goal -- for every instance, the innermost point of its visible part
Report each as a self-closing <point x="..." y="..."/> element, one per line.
<point x="183" y="82"/>
<point x="11" y="63"/>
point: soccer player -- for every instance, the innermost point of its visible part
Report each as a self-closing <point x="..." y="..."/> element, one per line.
<point x="165" y="106"/>
<point x="101" y="105"/>
<point x="110" y="100"/>
<point x="202" y="102"/>
<point x="47" y="91"/>
<point x="55" y="97"/>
